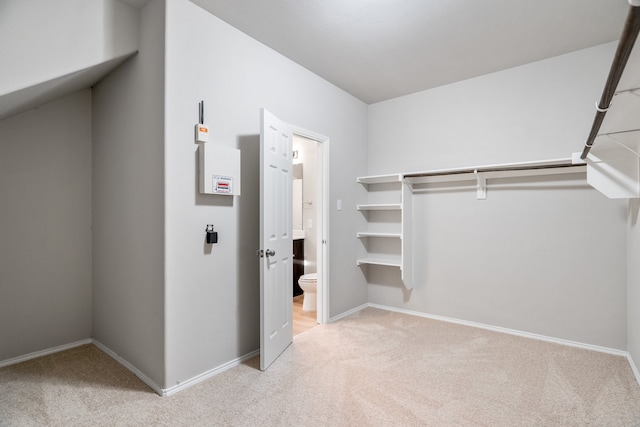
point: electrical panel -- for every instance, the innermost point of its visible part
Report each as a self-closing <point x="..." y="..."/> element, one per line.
<point x="219" y="169"/>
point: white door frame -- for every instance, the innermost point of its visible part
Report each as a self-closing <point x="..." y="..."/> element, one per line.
<point x="322" y="239"/>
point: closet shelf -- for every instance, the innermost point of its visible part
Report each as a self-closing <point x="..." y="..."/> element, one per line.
<point x="390" y="235"/>
<point x="622" y="115"/>
<point x="627" y="139"/>
<point x="380" y="207"/>
<point x="613" y="166"/>
<point x="380" y="247"/>
<point x="388" y="216"/>
<point x="380" y="179"/>
<point x="380" y="261"/>
<point x="501" y="170"/>
<point x="612" y="85"/>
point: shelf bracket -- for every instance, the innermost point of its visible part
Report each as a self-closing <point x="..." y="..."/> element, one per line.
<point x="481" y="185"/>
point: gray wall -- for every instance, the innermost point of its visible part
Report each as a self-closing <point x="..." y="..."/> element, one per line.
<point x="523" y="258"/>
<point x="213" y="292"/>
<point x="536" y="111"/>
<point x="128" y="203"/>
<point x="633" y="282"/>
<point x="45" y="224"/>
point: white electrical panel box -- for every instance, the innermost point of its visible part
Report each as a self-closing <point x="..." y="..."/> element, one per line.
<point x="219" y="169"/>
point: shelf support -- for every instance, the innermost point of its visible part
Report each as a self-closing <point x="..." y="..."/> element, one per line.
<point x="481" y="185"/>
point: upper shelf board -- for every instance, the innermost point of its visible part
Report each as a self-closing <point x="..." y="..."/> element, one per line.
<point x="380" y="207"/>
<point x="380" y="179"/>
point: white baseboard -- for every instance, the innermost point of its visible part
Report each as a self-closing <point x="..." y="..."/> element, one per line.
<point x="348" y="313"/>
<point x="235" y="362"/>
<point x="182" y="385"/>
<point x="145" y="379"/>
<point x="561" y="341"/>
<point x="634" y="368"/>
<point x="208" y="374"/>
<point x="44" y="352"/>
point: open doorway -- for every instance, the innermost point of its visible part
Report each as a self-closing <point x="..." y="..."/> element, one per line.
<point x="309" y="231"/>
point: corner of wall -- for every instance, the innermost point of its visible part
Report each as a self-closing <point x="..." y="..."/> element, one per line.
<point x="128" y="203"/>
<point x="633" y="284"/>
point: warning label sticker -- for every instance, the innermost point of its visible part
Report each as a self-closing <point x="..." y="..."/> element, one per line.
<point x="222" y="184"/>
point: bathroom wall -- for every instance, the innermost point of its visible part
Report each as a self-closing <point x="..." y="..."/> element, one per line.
<point x="45" y="224"/>
<point x="522" y="258"/>
<point x="212" y="293"/>
<point x="311" y="199"/>
<point x="296" y="197"/>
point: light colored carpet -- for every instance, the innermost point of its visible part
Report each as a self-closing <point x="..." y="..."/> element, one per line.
<point x="373" y="368"/>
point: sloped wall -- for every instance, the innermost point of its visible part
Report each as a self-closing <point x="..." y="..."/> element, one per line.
<point x="60" y="37"/>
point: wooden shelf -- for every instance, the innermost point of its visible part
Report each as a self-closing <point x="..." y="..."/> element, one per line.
<point x="369" y="234"/>
<point x="380" y="207"/>
<point x="380" y="261"/>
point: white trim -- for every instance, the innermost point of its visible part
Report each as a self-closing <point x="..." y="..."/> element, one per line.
<point x="144" y="378"/>
<point x="508" y="331"/>
<point x="208" y="374"/>
<point x="634" y="368"/>
<point x="326" y="214"/>
<point x="499" y="329"/>
<point x="183" y="384"/>
<point x="349" y="312"/>
<point x="45" y="352"/>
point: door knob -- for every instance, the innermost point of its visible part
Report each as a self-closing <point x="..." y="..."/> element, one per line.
<point x="269" y="252"/>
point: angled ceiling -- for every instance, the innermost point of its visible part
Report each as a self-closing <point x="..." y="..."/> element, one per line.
<point x="381" y="49"/>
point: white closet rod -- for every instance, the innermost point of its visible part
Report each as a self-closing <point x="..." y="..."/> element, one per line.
<point x="625" y="46"/>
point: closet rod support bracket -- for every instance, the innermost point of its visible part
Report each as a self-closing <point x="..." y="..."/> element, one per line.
<point x="481" y="186"/>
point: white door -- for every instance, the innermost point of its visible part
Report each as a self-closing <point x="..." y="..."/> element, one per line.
<point x="276" y="244"/>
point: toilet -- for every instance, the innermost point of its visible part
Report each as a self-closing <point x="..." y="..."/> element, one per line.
<point x="308" y="283"/>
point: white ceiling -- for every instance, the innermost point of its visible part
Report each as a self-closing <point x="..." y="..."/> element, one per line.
<point x="381" y="49"/>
